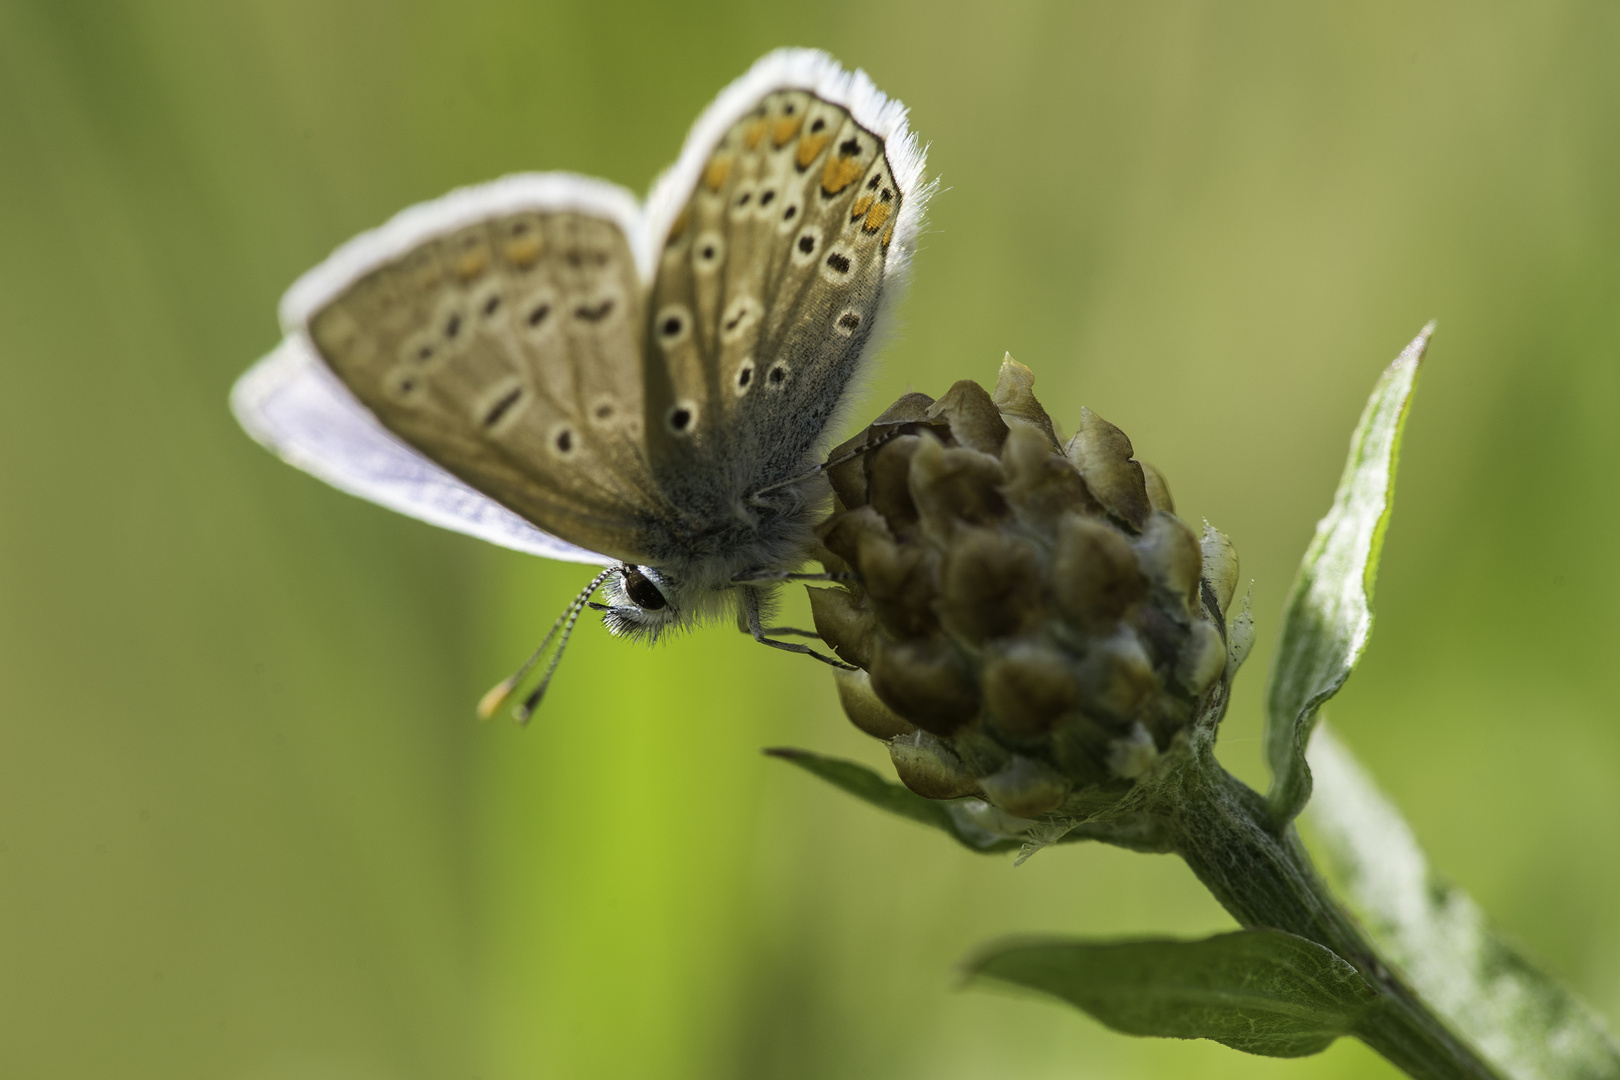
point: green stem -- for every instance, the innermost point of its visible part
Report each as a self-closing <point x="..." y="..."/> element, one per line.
<point x="1222" y="829"/>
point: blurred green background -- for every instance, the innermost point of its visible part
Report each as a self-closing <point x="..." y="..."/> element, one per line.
<point x="248" y="827"/>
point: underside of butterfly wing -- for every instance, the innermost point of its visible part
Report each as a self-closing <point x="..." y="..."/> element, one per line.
<point x="293" y="404"/>
<point x="764" y="299"/>
<point x="508" y="351"/>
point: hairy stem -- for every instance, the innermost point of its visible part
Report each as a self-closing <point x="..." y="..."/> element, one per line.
<point x="1222" y="829"/>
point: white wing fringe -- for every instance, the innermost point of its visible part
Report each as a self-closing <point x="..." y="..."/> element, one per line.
<point x="292" y="404"/>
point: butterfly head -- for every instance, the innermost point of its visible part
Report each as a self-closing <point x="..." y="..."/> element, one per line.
<point x="643" y="602"/>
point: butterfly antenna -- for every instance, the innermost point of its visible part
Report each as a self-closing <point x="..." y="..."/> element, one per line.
<point x="497" y="695"/>
<point x="832" y="463"/>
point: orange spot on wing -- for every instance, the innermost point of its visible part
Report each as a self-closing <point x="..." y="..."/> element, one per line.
<point x="877" y="216"/>
<point x="839" y="174"/>
<point x="786" y="128"/>
<point x="809" y="149"/>
<point x="470" y="264"/>
<point x="714" y="177"/>
<point x="888" y="236"/>
<point x="753" y="133"/>
<point x="524" y="251"/>
<point x="862" y="205"/>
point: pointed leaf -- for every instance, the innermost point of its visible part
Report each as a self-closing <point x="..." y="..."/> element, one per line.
<point x="1518" y="1018"/>
<point x="865" y="784"/>
<point x="1329" y="613"/>
<point x="1260" y="991"/>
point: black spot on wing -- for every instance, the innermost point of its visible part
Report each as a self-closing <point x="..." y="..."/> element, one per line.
<point x="502" y="406"/>
<point x="594" y="313"/>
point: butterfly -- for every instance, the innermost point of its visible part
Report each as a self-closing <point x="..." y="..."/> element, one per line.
<point x="550" y="364"/>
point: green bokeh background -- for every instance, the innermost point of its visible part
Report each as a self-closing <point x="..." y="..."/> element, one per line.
<point x="248" y="828"/>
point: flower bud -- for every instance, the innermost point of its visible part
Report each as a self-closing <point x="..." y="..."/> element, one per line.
<point x="866" y="710"/>
<point x="927" y="681"/>
<point x="930" y="768"/>
<point x="1034" y="626"/>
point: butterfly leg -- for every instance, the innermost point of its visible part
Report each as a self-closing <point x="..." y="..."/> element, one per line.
<point x="777" y="631"/>
<point x="773" y="631"/>
<point x="771" y="577"/>
<point x="750" y="613"/>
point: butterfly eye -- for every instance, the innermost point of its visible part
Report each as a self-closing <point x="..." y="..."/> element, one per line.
<point x="642" y="592"/>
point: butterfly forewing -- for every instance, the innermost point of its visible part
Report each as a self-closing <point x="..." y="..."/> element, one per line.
<point x="765" y="294"/>
<point x="509" y="351"/>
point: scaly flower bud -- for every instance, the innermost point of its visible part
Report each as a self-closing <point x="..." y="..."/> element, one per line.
<point x="1032" y="624"/>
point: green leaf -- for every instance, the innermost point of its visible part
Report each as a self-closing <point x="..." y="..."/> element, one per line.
<point x="863" y="783"/>
<point x="1518" y="1018"/>
<point x="1259" y="991"/>
<point x="1329" y="613"/>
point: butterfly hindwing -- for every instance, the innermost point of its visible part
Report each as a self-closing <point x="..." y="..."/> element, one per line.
<point x="293" y="404"/>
